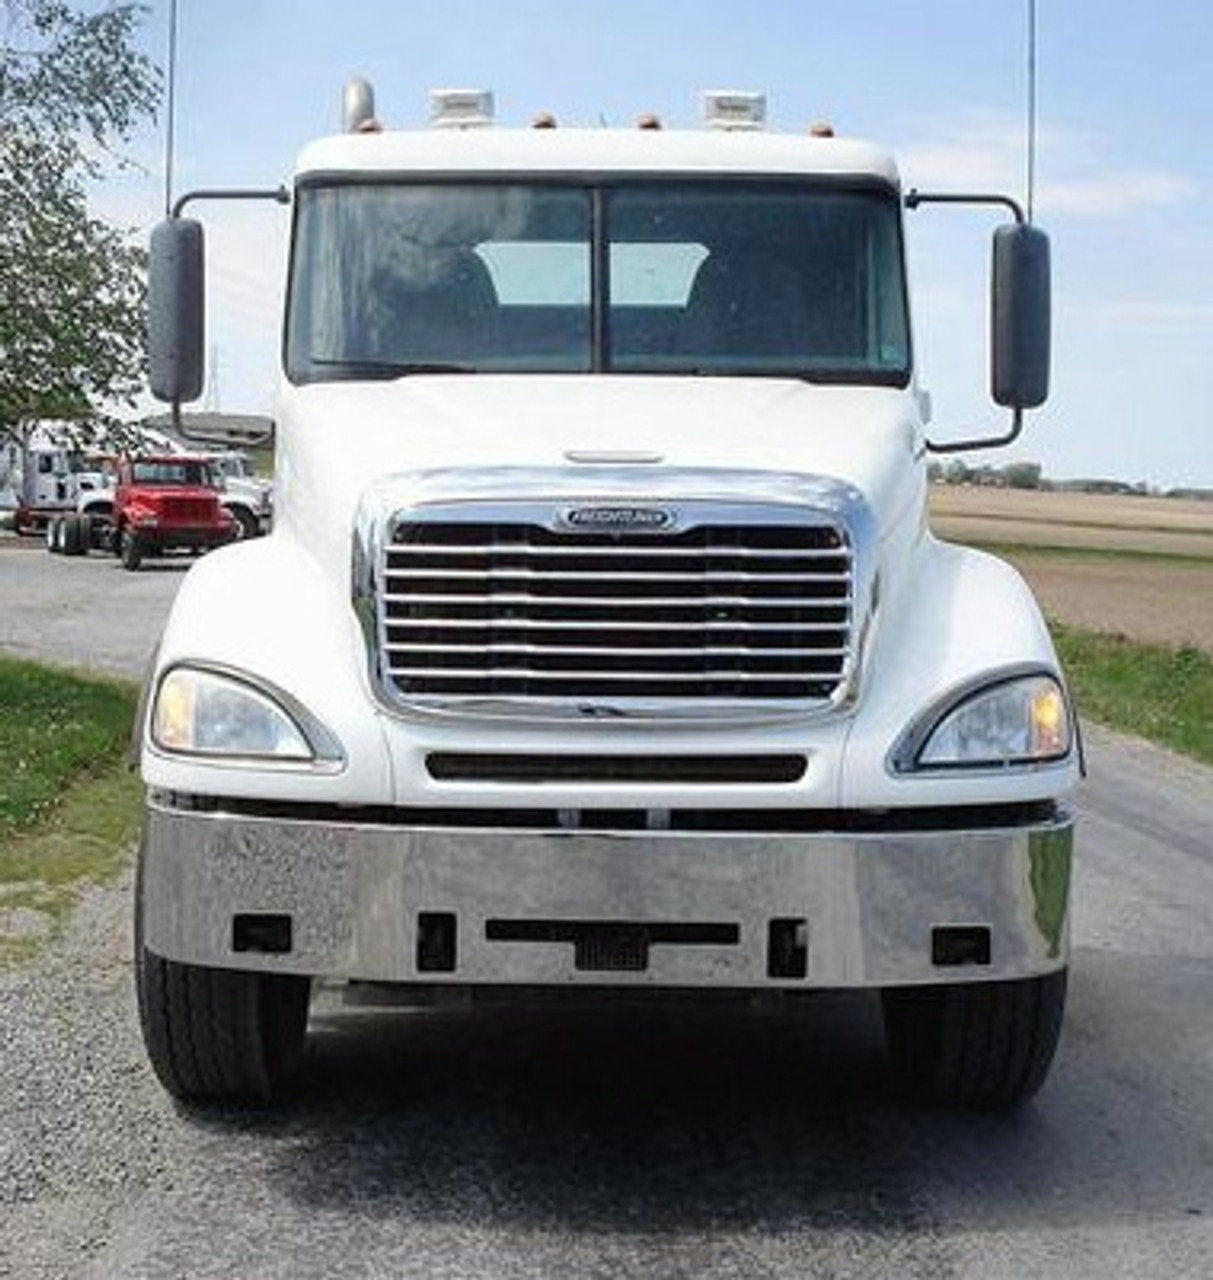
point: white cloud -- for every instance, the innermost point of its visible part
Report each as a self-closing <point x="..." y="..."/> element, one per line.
<point x="1142" y="314"/>
<point x="1115" y="193"/>
<point x="982" y="156"/>
<point x="1075" y="176"/>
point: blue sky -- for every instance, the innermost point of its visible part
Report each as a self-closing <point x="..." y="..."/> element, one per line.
<point x="1124" y="168"/>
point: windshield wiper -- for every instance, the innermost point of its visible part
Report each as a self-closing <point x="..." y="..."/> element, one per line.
<point x="826" y="375"/>
<point x="385" y="370"/>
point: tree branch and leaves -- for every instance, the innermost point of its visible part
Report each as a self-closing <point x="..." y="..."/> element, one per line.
<point x="74" y="87"/>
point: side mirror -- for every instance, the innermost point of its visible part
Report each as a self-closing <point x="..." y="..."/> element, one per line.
<point x="1019" y="317"/>
<point x="176" y="310"/>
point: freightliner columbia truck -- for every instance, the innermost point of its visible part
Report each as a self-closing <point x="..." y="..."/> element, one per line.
<point x="601" y="643"/>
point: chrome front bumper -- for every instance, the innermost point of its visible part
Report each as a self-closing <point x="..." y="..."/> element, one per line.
<point x="352" y="900"/>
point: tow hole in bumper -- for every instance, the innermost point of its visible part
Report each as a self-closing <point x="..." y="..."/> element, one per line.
<point x="265" y="932"/>
<point x="436" y="942"/>
<point x="953" y="945"/>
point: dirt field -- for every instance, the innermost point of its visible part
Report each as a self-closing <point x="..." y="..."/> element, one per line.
<point x="1154" y="598"/>
<point x="1073" y="520"/>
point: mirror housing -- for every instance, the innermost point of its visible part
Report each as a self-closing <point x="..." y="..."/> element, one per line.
<point x="1019" y="317"/>
<point x="227" y="431"/>
<point x="176" y="311"/>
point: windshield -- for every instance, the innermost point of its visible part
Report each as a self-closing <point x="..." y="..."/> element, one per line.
<point x="726" y="277"/>
<point x="234" y="465"/>
<point x="162" y="472"/>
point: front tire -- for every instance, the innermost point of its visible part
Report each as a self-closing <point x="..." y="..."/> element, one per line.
<point x="220" y="1035"/>
<point x="246" y="523"/>
<point x="130" y="549"/>
<point x="73" y="536"/>
<point x="983" y="1046"/>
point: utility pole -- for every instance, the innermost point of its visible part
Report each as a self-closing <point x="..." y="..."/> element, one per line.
<point x="169" y="146"/>
<point x="1031" y="121"/>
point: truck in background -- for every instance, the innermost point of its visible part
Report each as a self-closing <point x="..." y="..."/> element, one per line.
<point x="601" y="640"/>
<point x="157" y="504"/>
<point x="50" y="481"/>
<point x="245" y="496"/>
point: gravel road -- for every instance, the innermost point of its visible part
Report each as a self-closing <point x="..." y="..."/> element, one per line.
<point x="607" y="1143"/>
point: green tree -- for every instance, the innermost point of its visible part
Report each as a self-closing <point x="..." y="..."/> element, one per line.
<point x="73" y="88"/>
<point x="1022" y="475"/>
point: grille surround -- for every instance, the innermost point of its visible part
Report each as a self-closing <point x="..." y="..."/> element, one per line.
<point x="717" y="609"/>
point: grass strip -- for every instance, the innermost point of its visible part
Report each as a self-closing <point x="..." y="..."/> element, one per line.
<point x="54" y="727"/>
<point x="69" y="804"/>
<point x="1012" y="550"/>
<point x="86" y="840"/>
<point x="1053" y="521"/>
<point x="1154" y="691"/>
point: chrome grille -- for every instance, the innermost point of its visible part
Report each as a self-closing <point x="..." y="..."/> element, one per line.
<point x="527" y="612"/>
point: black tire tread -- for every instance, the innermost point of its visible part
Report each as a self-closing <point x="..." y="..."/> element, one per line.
<point x="130" y="550"/>
<point x="246" y="522"/>
<point x="220" y="1035"/>
<point x="72" y="536"/>
<point x="985" y="1046"/>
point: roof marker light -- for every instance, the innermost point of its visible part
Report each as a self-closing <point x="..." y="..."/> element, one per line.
<point x="650" y="120"/>
<point x="461" y="108"/>
<point x="821" y="129"/>
<point x="734" y="109"/>
<point x="544" y="120"/>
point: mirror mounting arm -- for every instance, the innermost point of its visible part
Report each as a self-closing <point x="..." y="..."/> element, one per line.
<point x="983" y="442"/>
<point x="913" y="199"/>
<point x="280" y="195"/>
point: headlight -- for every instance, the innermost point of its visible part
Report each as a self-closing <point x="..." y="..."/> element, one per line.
<point x="1020" y="720"/>
<point x="204" y="712"/>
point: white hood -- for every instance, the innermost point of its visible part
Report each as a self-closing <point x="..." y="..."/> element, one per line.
<point x="337" y="439"/>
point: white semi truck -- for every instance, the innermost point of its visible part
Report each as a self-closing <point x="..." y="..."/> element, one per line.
<point x="601" y="640"/>
<point x="49" y="476"/>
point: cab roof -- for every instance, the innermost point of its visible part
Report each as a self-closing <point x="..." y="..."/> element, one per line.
<point x="595" y="153"/>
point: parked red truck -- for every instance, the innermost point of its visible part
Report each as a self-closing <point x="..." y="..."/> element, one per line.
<point x="168" y="503"/>
<point x="161" y="503"/>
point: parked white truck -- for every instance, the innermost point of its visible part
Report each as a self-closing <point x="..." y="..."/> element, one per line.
<point x="601" y="640"/>
<point x="51" y="474"/>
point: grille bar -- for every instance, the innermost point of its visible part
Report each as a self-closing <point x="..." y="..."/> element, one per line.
<point x="713" y="770"/>
<point x="579" y="651"/>
<point x="455" y="626"/>
<point x="546" y="687"/>
<point x="540" y="674"/>
<point x="642" y="602"/>
<point x="619" y="573"/>
<point x="473" y="609"/>
<point x="552" y="552"/>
